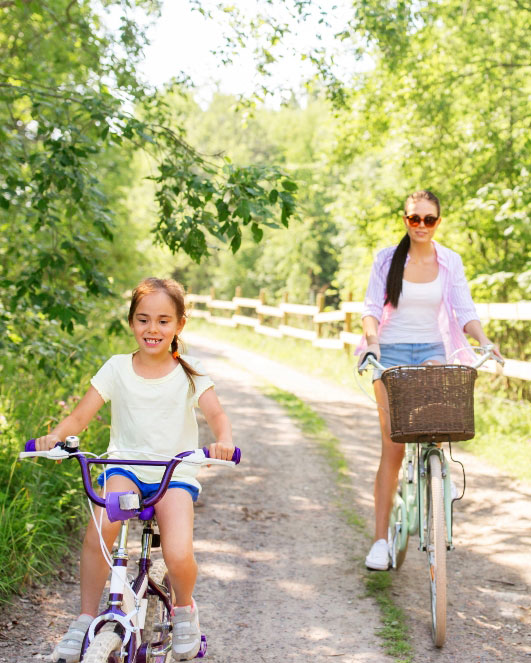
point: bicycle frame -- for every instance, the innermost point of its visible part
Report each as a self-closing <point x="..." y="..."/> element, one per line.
<point x="127" y="603"/>
<point x="409" y="508"/>
<point x="128" y="607"/>
<point x="426" y="507"/>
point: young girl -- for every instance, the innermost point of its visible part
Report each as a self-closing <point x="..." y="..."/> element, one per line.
<point x="153" y="392"/>
<point x="417" y="307"/>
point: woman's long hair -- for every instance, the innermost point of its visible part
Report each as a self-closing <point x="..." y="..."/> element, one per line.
<point x="175" y="292"/>
<point x="393" y="287"/>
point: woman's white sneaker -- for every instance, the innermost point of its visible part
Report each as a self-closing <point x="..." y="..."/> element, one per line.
<point x="378" y="557"/>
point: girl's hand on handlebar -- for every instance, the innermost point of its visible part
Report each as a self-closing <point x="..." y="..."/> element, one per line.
<point x="373" y="348"/>
<point x="46" y="442"/>
<point x="221" y="450"/>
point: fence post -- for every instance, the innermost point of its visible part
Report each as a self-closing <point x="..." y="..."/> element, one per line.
<point x="262" y="298"/>
<point x="212" y="297"/>
<point x="320" y="302"/>
<point x="237" y="293"/>
<point x="347" y="325"/>
<point x="285" y="314"/>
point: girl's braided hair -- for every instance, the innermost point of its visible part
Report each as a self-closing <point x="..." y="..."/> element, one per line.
<point x="175" y="292"/>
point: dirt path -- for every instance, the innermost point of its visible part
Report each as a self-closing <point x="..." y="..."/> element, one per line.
<point x="278" y="580"/>
<point x="281" y="575"/>
<point x="489" y="572"/>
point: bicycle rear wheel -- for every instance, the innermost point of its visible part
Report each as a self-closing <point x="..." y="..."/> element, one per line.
<point x="157" y="624"/>
<point x="105" y="648"/>
<point x="398" y="532"/>
<point x="436" y="549"/>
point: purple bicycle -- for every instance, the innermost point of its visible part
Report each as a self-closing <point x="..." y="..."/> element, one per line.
<point x="135" y="627"/>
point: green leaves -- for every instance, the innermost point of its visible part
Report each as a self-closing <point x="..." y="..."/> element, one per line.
<point x="71" y="116"/>
<point x="218" y="201"/>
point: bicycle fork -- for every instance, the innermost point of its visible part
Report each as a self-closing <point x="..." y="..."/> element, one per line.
<point x="126" y="607"/>
<point x="423" y="461"/>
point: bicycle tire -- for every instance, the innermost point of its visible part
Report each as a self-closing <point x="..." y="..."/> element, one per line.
<point x="105" y="648"/>
<point x="158" y="620"/>
<point x="401" y="555"/>
<point x="436" y="549"/>
<point x="398" y="550"/>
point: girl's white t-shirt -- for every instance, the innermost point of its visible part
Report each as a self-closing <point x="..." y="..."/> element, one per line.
<point x="152" y="416"/>
<point x="416" y="318"/>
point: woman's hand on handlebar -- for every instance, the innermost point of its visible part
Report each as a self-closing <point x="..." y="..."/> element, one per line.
<point x="372" y="348"/>
<point x="46" y="442"/>
<point x="496" y="352"/>
<point x="221" y="450"/>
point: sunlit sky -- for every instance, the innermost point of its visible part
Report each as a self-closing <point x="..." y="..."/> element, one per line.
<point x="182" y="41"/>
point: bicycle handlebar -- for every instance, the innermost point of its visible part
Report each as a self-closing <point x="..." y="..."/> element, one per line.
<point x="64" y="452"/>
<point x="59" y="452"/>
<point x="370" y="358"/>
<point x="487" y="353"/>
<point x="486" y="350"/>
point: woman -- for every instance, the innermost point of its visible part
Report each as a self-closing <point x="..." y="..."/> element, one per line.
<point x="417" y="307"/>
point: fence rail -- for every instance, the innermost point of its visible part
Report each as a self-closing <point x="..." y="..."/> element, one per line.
<point x="256" y="313"/>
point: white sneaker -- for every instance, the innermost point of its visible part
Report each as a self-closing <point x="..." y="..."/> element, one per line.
<point x="68" y="650"/>
<point x="454" y="494"/>
<point x="186" y="639"/>
<point x="378" y="557"/>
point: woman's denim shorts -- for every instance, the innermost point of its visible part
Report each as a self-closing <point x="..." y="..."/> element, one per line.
<point x="409" y="354"/>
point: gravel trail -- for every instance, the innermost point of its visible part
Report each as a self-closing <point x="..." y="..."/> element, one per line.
<point x="489" y="572"/>
<point x="279" y="577"/>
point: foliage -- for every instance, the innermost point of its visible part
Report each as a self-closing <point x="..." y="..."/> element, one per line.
<point x="301" y="259"/>
<point x="67" y="114"/>
<point x="439" y="100"/>
<point x="41" y="503"/>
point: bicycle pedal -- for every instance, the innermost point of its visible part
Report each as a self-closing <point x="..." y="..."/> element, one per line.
<point x="155" y="541"/>
<point x="203" y="647"/>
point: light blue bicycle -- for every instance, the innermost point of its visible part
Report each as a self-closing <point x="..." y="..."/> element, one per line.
<point x="428" y="405"/>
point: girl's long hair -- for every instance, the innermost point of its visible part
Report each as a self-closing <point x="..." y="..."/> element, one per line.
<point x="175" y="292"/>
<point x="393" y="287"/>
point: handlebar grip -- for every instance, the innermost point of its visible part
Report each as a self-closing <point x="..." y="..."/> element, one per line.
<point x="236" y="456"/>
<point x="30" y="445"/>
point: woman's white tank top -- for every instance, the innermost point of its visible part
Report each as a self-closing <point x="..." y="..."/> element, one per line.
<point x="415" y="318"/>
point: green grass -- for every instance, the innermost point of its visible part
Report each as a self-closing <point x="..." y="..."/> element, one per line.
<point x="394" y="631"/>
<point x="502" y="426"/>
<point x="42" y="504"/>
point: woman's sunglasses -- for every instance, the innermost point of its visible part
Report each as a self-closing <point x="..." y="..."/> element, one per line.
<point x="429" y="220"/>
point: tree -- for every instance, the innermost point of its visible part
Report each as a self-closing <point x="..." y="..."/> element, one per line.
<point x="67" y="108"/>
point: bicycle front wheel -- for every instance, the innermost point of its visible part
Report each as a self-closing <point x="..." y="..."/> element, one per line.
<point x="105" y="648"/>
<point x="157" y="625"/>
<point x="436" y="549"/>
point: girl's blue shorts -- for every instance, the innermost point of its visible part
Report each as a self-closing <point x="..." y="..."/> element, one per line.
<point x="409" y="354"/>
<point x="147" y="489"/>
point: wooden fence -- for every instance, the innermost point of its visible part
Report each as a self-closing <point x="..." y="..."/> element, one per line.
<point x="279" y="321"/>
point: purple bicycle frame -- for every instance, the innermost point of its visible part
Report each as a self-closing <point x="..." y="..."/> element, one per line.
<point x="145" y="513"/>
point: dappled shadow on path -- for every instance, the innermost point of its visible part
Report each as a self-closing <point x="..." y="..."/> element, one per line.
<point x="488" y="572"/>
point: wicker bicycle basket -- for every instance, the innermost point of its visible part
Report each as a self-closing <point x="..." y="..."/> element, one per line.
<point x="431" y="403"/>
